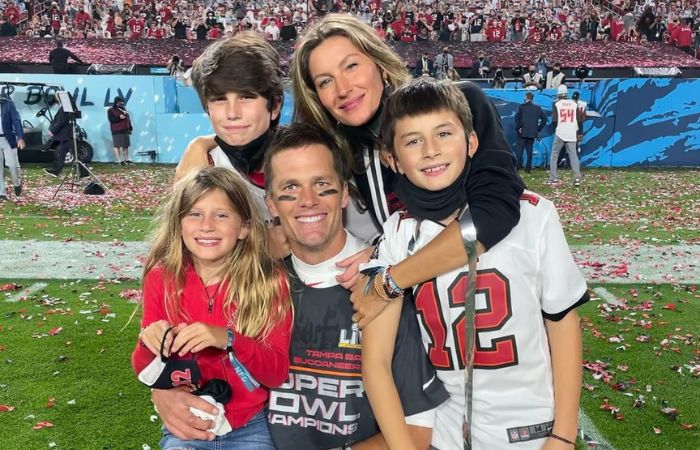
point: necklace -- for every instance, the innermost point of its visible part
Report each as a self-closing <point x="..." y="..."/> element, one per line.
<point x="210" y="298"/>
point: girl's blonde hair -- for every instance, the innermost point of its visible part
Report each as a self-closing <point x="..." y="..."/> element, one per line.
<point x="307" y="105"/>
<point x="253" y="279"/>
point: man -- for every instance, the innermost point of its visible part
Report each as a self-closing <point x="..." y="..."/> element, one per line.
<point x="481" y="67"/>
<point x="529" y="121"/>
<point x="11" y="138"/>
<point x="566" y="116"/>
<point x="306" y="184"/>
<point x="61" y="130"/>
<point x="554" y="78"/>
<point x="443" y="63"/>
<point x="582" y="106"/>
<point x="424" y="66"/>
<point x="120" y="126"/>
<point x="58" y="58"/>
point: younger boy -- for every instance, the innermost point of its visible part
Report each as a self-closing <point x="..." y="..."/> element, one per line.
<point x="527" y="363"/>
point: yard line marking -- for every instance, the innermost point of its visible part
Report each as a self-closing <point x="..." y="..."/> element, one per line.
<point x="17" y="296"/>
<point x="607" y="296"/>
<point x="590" y="434"/>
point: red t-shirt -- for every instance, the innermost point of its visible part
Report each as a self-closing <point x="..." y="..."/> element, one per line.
<point x="267" y="361"/>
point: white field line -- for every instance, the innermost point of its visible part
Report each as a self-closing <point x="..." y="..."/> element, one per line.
<point x="14" y="298"/>
<point x="590" y="434"/>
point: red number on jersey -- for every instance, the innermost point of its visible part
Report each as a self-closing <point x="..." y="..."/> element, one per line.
<point x="494" y="286"/>
<point x="566" y="115"/>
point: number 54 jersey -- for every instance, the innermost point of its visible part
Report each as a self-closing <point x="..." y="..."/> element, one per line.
<point x="529" y="276"/>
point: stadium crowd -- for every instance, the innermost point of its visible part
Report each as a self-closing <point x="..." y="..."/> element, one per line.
<point x="494" y="21"/>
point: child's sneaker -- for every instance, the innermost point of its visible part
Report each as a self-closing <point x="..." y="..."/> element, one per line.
<point x="551" y="182"/>
<point x="577" y="182"/>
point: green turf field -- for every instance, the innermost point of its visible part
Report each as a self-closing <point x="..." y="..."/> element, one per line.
<point x="65" y="348"/>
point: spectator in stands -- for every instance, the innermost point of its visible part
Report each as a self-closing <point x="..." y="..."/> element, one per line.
<point x="443" y="62"/>
<point x="532" y="79"/>
<point x="657" y="30"/>
<point x="175" y="66"/>
<point x="200" y="29"/>
<point x="555" y="78"/>
<point x="645" y="22"/>
<point x="476" y="27"/>
<point x="518" y="28"/>
<point x="179" y="26"/>
<point x="288" y="31"/>
<point x="588" y="29"/>
<point x="683" y="37"/>
<point x="58" y="58"/>
<point x="481" y="67"/>
<point x="7" y="28"/>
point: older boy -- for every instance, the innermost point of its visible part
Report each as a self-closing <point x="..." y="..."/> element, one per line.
<point x="528" y="344"/>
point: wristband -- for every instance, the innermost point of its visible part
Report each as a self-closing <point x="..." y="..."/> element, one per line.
<point x="559" y="438"/>
<point x="230" y="337"/>
<point x="392" y="289"/>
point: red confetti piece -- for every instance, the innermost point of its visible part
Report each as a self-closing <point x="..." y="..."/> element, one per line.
<point x="55" y="331"/>
<point x="670" y="306"/>
<point x="687" y="426"/>
<point x="6" y="408"/>
<point x="10" y="287"/>
<point x="50" y="403"/>
<point x="41" y="425"/>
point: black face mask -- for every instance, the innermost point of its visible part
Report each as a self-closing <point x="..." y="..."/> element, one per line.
<point x="433" y="205"/>
<point x="249" y="157"/>
<point x="168" y="372"/>
<point x="444" y="52"/>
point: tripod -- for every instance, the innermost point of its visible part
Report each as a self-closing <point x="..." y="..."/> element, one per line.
<point x="78" y="170"/>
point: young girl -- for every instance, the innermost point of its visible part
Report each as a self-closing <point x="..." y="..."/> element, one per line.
<point x="215" y="305"/>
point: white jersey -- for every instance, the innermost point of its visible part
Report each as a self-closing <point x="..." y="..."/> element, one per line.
<point x="567" y="121"/>
<point x="528" y="275"/>
<point x="358" y="223"/>
<point x="553" y="81"/>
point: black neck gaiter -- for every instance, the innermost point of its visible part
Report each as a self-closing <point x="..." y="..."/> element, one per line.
<point x="433" y="205"/>
<point x="249" y="157"/>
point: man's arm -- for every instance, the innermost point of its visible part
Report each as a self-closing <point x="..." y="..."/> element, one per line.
<point x="75" y="58"/>
<point x="542" y="121"/>
<point x="16" y="122"/>
<point x="173" y="407"/>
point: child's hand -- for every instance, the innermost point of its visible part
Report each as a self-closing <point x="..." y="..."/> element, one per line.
<point x="348" y="279"/>
<point x="152" y="336"/>
<point x="366" y="306"/>
<point x="279" y="245"/>
<point x="198" y="336"/>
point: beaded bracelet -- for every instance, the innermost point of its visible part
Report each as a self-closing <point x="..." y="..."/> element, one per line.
<point x="392" y="289"/>
<point x="559" y="438"/>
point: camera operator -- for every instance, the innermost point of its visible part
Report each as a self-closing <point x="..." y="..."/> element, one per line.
<point x="61" y="130"/>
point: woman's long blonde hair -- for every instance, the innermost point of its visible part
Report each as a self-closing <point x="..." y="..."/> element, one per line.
<point x="307" y="105"/>
<point x="253" y="279"/>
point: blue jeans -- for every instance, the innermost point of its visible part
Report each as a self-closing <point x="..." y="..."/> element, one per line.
<point x="252" y="436"/>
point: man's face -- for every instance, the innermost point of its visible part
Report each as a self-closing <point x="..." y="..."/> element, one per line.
<point x="306" y="194"/>
<point x="240" y="118"/>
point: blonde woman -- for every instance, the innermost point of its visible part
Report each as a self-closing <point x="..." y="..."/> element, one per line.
<point x="213" y="300"/>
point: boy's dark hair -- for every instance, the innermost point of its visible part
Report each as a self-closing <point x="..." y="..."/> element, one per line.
<point x="245" y="64"/>
<point x="298" y="135"/>
<point x="424" y="96"/>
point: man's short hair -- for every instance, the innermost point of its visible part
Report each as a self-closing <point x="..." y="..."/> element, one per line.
<point x="529" y="96"/>
<point x="245" y="64"/>
<point x="301" y="134"/>
<point x="424" y="96"/>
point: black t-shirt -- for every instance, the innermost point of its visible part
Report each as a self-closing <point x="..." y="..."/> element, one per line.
<point x="180" y="30"/>
<point x="477" y="24"/>
<point x="288" y="33"/>
<point x="201" y="31"/>
<point x="323" y="403"/>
